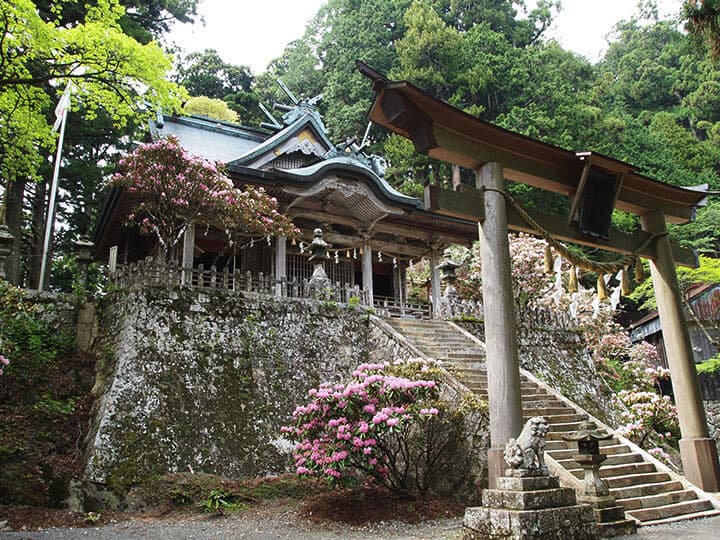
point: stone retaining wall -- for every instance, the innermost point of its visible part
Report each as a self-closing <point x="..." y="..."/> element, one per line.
<point x="203" y="383"/>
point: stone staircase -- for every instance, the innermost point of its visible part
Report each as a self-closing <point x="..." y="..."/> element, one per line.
<point x="649" y="494"/>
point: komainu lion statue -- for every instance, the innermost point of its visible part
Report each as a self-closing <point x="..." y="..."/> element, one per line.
<point x="526" y="452"/>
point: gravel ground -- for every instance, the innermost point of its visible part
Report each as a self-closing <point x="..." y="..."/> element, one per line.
<point x="263" y="524"/>
<point x="267" y="524"/>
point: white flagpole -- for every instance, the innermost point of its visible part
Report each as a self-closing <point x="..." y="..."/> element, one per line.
<point x="64" y="105"/>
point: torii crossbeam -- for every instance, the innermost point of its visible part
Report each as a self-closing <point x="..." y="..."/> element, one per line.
<point x="595" y="184"/>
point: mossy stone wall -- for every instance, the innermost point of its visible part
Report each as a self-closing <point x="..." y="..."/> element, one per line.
<point x="203" y="383"/>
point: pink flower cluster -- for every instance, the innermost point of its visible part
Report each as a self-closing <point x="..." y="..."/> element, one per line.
<point x="172" y="189"/>
<point x="342" y="431"/>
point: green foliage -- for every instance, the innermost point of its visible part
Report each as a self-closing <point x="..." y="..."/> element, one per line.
<point x="220" y="501"/>
<point x="49" y="406"/>
<point x="108" y="67"/>
<point x="206" y="74"/>
<point x="24" y="333"/>
<point x="212" y="108"/>
<point x="711" y="365"/>
<point x="707" y="272"/>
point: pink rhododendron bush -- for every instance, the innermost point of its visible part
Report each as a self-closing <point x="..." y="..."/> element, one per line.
<point x="172" y="189"/>
<point x="396" y="424"/>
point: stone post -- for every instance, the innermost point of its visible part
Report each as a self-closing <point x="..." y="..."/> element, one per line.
<point x="83" y="250"/>
<point x="6" y="241"/>
<point x="697" y="449"/>
<point x="280" y="263"/>
<point x="188" y="254"/>
<point x="503" y="366"/>
<point x="435" y="282"/>
<point x="367" y="277"/>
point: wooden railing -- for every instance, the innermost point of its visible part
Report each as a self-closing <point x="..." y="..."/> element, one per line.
<point x="150" y="272"/>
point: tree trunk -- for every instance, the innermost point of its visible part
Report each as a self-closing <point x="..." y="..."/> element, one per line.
<point x="39" y="216"/>
<point x="13" y="219"/>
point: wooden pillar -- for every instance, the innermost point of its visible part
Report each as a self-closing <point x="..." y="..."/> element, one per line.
<point x="402" y="286"/>
<point x="697" y="449"/>
<point x="280" y="263"/>
<point x="435" y="287"/>
<point x="188" y="254"/>
<point x="500" y="338"/>
<point x="367" y="279"/>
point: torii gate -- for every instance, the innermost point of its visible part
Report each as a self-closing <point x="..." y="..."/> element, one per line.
<point x="595" y="185"/>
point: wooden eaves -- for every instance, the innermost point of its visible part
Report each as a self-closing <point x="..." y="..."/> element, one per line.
<point x="449" y="134"/>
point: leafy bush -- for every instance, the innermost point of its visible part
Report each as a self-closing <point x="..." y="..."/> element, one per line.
<point x="387" y="423"/>
<point x="711" y="365"/>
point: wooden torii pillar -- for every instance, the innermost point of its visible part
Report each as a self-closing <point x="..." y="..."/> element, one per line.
<point x="595" y="184"/>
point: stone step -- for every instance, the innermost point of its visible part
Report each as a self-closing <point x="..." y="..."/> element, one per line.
<point x="550" y="402"/>
<point x="564" y="426"/>
<point x="697" y="515"/>
<point x="557" y="418"/>
<point x="615" y="470"/>
<point x="551" y="446"/>
<point x="671" y="510"/>
<point x="643" y="490"/>
<point x="662" y="499"/>
<point x="467" y="356"/>
<point x="546" y="411"/>
<point x="638" y="479"/>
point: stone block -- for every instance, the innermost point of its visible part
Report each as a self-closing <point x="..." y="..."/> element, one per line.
<point x="533" y="483"/>
<point x="528" y="500"/>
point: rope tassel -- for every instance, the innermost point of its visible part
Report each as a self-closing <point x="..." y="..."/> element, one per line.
<point x="639" y="270"/>
<point x="572" y="280"/>
<point x="601" y="288"/>
<point x="548" y="267"/>
<point x="625" y="285"/>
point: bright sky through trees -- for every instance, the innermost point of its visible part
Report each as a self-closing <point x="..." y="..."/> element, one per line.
<point x="253" y="34"/>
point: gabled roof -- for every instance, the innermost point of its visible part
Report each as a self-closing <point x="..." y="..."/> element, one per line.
<point x="307" y="135"/>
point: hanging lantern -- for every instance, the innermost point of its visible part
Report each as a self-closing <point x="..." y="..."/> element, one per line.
<point x="347" y="254"/>
<point x="601" y="288"/>
<point x="355" y="253"/>
<point x="337" y="257"/>
<point x="548" y="262"/>
<point x="379" y="256"/>
<point x="573" y="280"/>
<point x="394" y="262"/>
<point x="268" y="240"/>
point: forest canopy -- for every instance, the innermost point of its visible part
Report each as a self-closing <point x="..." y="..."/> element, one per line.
<point x="652" y="100"/>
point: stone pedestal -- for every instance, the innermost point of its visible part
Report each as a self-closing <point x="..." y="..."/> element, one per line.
<point x="609" y="517"/>
<point x="524" y="507"/>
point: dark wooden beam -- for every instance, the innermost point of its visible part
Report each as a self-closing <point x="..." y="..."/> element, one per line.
<point x="467" y="204"/>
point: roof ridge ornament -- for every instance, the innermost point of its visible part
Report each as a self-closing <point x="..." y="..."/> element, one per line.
<point x="350" y="149"/>
<point x="292" y="113"/>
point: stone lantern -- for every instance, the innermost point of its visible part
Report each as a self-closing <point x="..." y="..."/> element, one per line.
<point x="610" y="517"/>
<point x="6" y="241"/>
<point x="450" y="296"/>
<point x="83" y="250"/>
<point x="318" y="249"/>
